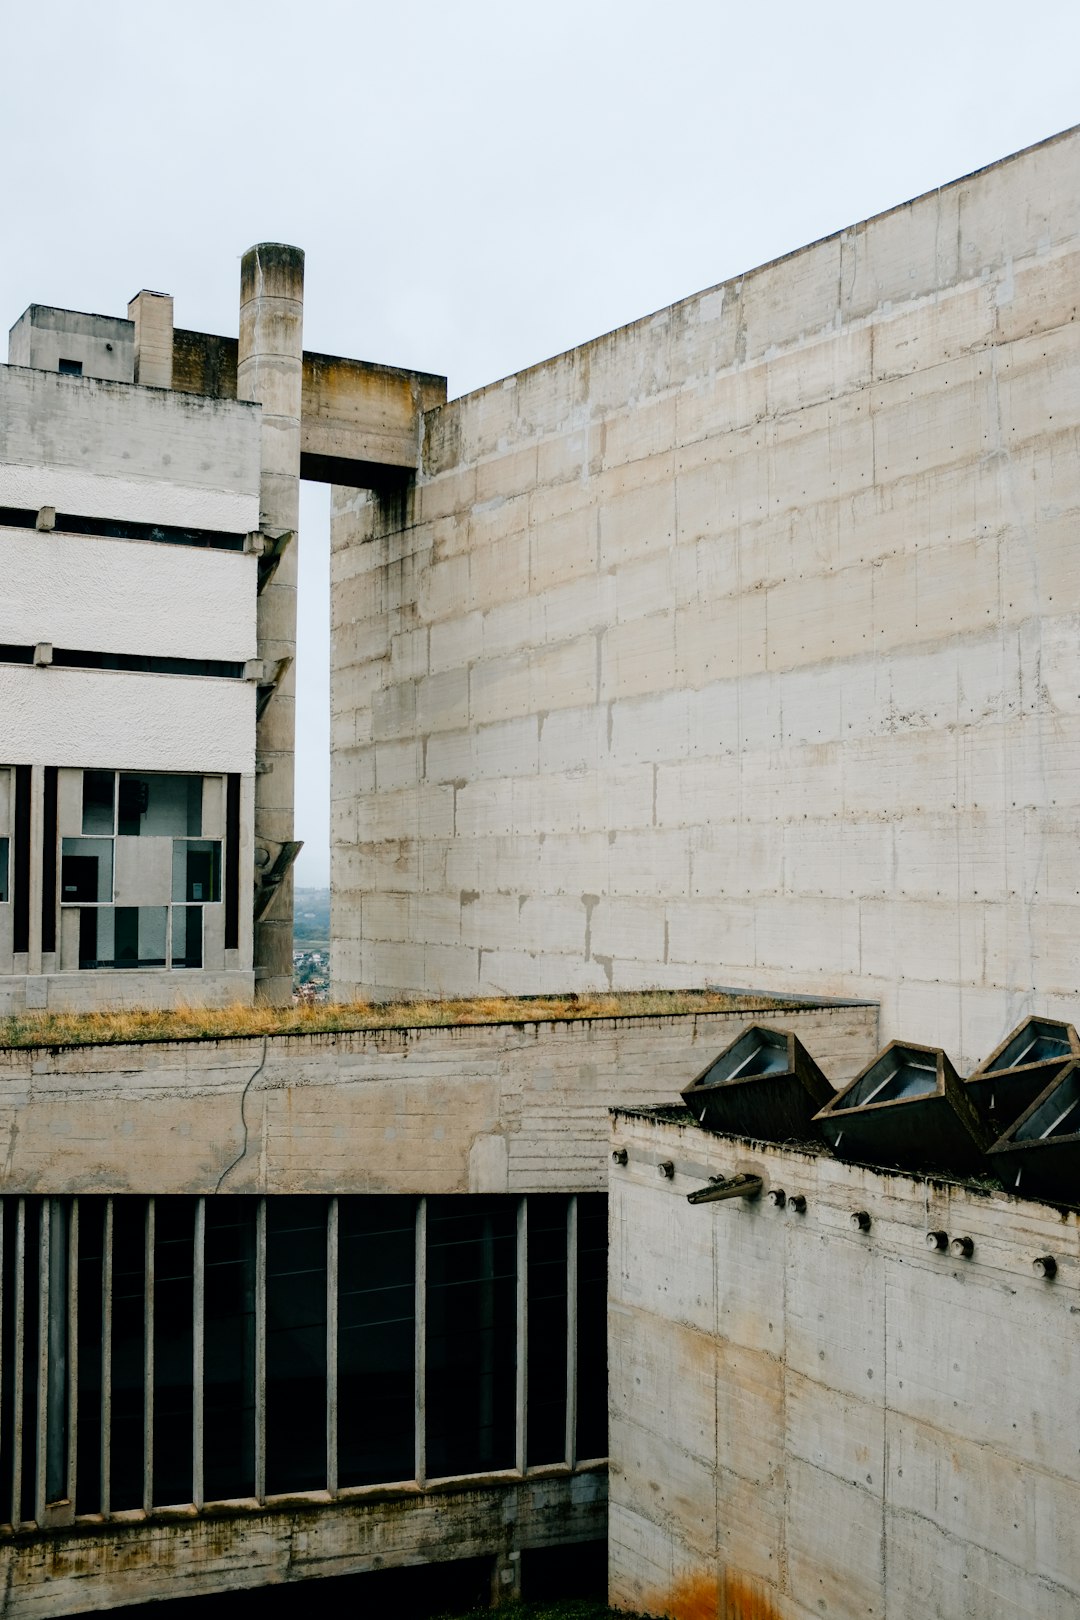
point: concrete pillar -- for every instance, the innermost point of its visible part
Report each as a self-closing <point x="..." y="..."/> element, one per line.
<point x="270" y="370"/>
<point x="153" y="316"/>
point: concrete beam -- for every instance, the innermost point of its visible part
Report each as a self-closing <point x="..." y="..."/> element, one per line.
<point x="359" y="420"/>
<point x="360" y="423"/>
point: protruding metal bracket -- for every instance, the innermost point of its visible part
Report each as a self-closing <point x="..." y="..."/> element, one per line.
<point x="741" y="1186"/>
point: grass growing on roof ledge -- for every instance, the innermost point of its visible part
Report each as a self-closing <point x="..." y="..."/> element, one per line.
<point x="190" y="1023"/>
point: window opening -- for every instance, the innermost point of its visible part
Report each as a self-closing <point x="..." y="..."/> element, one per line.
<point x="546" y="1411"/>
<point x="376" y="1338"/>
<point x="471" y="1341"/>
<point x="70" y="368"/>
<point x="5" y="892"/>
<point x="21" y="874"/>
<point x="296" y="1344"/>
<point x="118" y="806"/>
<point x="48" y="860"/>
<point x="156" y="1424"/>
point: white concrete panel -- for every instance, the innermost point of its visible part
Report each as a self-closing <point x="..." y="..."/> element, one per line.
<point x="128" y="500"/>
<point x="126" y="596"/>
<point x="113" y="720"/>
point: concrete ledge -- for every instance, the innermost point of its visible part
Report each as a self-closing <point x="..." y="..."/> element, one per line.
<point x="97" y="1566"/>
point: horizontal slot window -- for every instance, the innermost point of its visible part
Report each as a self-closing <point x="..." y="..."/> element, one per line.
<point x="140" y="664"/>
<point x="76" y="658"/>
<point x="18" y="517"/>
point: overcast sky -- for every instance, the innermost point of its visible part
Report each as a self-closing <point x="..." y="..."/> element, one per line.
<point x="478" y="186"/>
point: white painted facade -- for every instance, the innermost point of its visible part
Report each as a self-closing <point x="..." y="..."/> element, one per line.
<point x="139" y="596"/>
<point x="128" y="650"/>
<point x="739" y="645"/>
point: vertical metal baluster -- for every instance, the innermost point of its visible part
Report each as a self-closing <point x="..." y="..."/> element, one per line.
<point x="148" y="1357"/>
<point x="106" y="1358"/>
<point x="332" y="1347"/>
<point x="260" y="1349"/>
<point x="18" y="1371"/>
<point x="571" y="1330"/>
<point x="73" y="1353"/>
<point x="420" y="1307"/>
<point x="41" y="1435"/>
<point x="198" y="1348"/>
<point x="522" y="1378"/>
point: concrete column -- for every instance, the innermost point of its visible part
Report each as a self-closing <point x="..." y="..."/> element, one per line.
<point x="152" y="314"/>
<point x="270" y="370"/>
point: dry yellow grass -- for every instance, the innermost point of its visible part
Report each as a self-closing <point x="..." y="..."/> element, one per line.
<point x="192" y="1023"/>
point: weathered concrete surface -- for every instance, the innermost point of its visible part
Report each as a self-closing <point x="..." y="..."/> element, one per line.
<point x="740" y="644"/>
<point x="96" y="1567"/>
<point x="113" y="450"/>
<point x="357" y="418"/>
<point x="269" y="371"/>
<point x="102" y="344"/>
<point x="810" y="1420"/>
<point x="474" y="1108"/>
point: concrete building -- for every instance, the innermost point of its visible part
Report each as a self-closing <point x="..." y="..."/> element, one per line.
<point x="149" y="484"/>
<point x="281" y="1308"/>
<point x="813" y="1412"/>
<point x="739" y="645"/>
<point x="735" y="646"/>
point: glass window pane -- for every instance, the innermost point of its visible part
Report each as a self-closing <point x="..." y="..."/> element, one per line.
<point x="128" y="1336"/>
<point x="88" y="1452"/>
<point x="174" y="1249"/>
<point x="229" y="1350"/>
<point x="471" y="1334"/>
<point x="160" y="806"/>
<point x="546" y="1439"/>
<point x="376" y="1339"/>
<point x="86" y="870"/>
<point x="99" y="791"/>
<point x="592" y="1438"/>
<point x="295" y="1344"/>
<point x="196" y="870"/>
<point x="187" y="937"/>
<point x="96" y="933"/>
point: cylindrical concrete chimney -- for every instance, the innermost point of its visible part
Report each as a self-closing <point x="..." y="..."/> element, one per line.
<point x="270" y="370"/>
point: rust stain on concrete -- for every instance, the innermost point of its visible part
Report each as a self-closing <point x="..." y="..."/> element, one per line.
<point x="731" y="1596"/>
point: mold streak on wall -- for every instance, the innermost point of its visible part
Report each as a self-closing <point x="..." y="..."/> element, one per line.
<point x="739" y="644"/>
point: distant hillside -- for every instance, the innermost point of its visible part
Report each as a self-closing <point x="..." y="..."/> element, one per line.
<point x="311" y="924"/>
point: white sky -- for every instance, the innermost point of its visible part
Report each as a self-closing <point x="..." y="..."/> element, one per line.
<point x="478" y="185"/>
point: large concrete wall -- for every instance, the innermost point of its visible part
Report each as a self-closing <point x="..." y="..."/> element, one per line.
<point x="490" y="1108"/>
<point x="808" y="1420"/>
<point x="740" y="644"/>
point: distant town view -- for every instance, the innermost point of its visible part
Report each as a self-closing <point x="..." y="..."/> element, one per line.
<point x="311" y="945"/>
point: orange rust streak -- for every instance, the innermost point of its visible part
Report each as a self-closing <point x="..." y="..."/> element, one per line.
<point x="732" y="1596"/>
